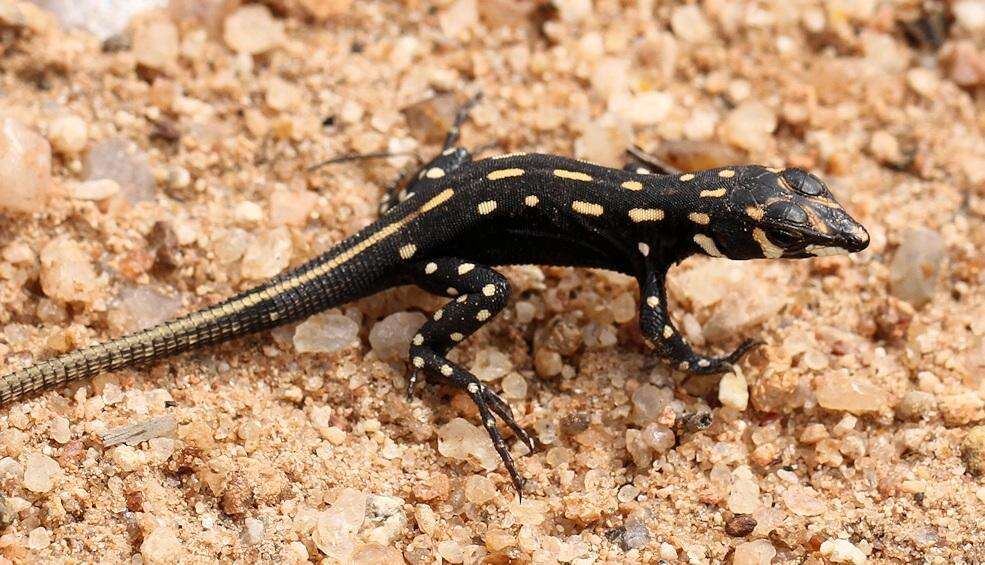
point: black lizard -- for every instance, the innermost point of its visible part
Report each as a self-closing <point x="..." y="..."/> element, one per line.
<point x="446" y="229"/>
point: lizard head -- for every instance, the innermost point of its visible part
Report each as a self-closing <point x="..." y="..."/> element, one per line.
<point x="772" y="213"/>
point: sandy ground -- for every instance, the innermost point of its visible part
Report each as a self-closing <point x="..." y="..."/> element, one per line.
<point x="849" y="437"/>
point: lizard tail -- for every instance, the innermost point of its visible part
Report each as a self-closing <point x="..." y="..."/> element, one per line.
<point x="246" y="313"/>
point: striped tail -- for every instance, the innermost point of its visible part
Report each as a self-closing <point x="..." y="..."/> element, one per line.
<point x="246" y="313"/>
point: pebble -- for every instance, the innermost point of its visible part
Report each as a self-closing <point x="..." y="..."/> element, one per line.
<point x="248" y="213"/>
<point x="68" y="135"/>
<point x="336" y="527"/>
<point x="38" y="538"/>
<point x="252" y="531"/>
<point x="914" y="270"/>
<point x="759" y="552"/>
<point x="514" y="386"/>
<point x="375" y="554"/>
<point x="740" y="526"/>
<point x="67" y="273"/>
<point x="460" y="440"/>
<point x="660" y="438"/>
<point x="324" y="9"/>
<point x="269" y="255"/>
<point x="635" y="535"/>
<point x="668" y="552"/>
<point x="479" y="489"/>
<point x="161" y="546"/>
<point x="252" y="29"/>
<point x="25" y="168"/>
<point x="803" y="502"/>
<point x="491" y="364"/>
<point x="59" y="429"/>
<point x="733" y="391"/>
<point x="744" y="496"/>
<point x="156" y="43"/>
<point x="140" y="307"/>
<point x="644" y="109"/>
<point x="970" y="14"/>
<point x="967" y="64"/>
<point x="604" y="142"/>
<point x="94" y="189"/>
<point x="649" y="401"/>
<point x="390" y="337"/>
<point x="690" y="24"/>
<point x="117" y="159"/>
<point x="750" y="126"/>
<point x="458" y="18"/>
<point x="282" y="95"/>
<point x="973" y="451"/>
<point x="842" y="551"/>
<point x="291" y="207"/>
<point x="840" y="391"/>
<point x="326" y="333"/>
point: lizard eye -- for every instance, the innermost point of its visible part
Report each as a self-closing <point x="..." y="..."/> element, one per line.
<point x="784" y="238"/>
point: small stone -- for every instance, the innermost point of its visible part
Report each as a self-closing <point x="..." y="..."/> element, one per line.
<point x="514" y="386"/>
<point x="842" y="551"/>
<point x="94" y="189"/>
<point x="759" y="552"/>
<point x="68" y="135"/>
<point x="248" y="213"/>
<point x="635" y="535"/>
<point x="479" y="489"/>
<point x="970" y="14"/>
<point x="427" y="120"/>
<point x="459" y="439"/>
<point x="252" y="29"/>
<point x="623" y="308"/>
<point x="690" y="24"/>
<point x="733" y="391"/>
<point x="966" y="64"/>
<point x="740" y="526"/>
<point x="491" y="364"/>
<point x="324" y="9"/>
<point x="839" y="391"/>
<point x="282" y="95"/>
<point x="604" y="142"/>
<point x="252" y="531"/>
<point x="803" y="501"/>
<point x="326" y="333"/>
<point x="270" y="255"/>
<point x="668" y="552"/>
<point x="649" y="401"/>
<point x="291" y="207"/>
<point x="295" y="552"/>
<point x="915" y="268"/>
<point x="59" y="429"/>
<point x="459" y="17"/>
<point x="962" y="409"/>
<point x="25" y="168"/>
<point x="336" y="527"/>
<point x="750" y="126"/>
<point x="156" y="43"/>
<point x="744" y="496"/>
<point x="644" y="109"/>
<point x="67" y="274"/>
<point x="973" y="451"/>
<point x="140" y="307"/>
<point x="498" y="539"/>
<point x="161" y="547"/>
<point x="375" y="554"/>
<point x="390" y="337"/>
<point x="885" y="147"/>
<point x="660" y="438"/>
<point x="117" y="159"/>
<point x="38" y="538"/>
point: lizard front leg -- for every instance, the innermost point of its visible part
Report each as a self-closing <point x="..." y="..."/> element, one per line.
<point x="479" y="294"/>
<point x="658" y="328"/>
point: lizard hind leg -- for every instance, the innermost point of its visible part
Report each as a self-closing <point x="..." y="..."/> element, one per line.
<point x="479" y="293"/>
